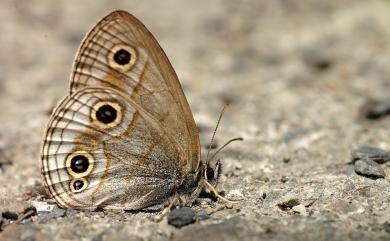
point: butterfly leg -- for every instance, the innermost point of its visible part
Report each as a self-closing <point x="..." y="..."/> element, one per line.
<point x="168" y="208"/>
<point x="210" y="188"/>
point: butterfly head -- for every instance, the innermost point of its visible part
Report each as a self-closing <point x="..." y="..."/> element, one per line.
<point x="212" y="172"/>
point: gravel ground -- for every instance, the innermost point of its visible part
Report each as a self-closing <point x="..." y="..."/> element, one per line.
<point x="300" y="75"/>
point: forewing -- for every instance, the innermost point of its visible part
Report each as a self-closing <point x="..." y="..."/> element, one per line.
<point x="145" y="75"/>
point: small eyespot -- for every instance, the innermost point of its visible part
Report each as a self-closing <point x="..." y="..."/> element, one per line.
<point x="106" y="114"/>
<point x="79" y="164"/>
<point x="122" y="57"/>
<point x="78" y="185"/>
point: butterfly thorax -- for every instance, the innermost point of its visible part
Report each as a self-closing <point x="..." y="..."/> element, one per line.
<point x="188" y="183"/>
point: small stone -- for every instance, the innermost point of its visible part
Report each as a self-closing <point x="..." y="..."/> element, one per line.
<point x="45" y="217"/>
<point x="238" y="166"/>
<point x="59" y="212"/>
<point x="386" y="227"/>
<point x="70" y="213"/>
<point x="371" y="153"/>
<point x="284" y="179"/>
<point x="369" y="168"/>
<point x="316" y="59"/>
<point x="235" y="195"/>
<point x="229" y="174"/>
<point x="286" y="159"/>
<point x="4" y="159"/>
<point x="10" y="215"/>
<point x="376" y="108"/>
<point x="202" y="215"/>
<point x="181" y="217"/>
<point x="301" y="209"/>
<point x="43" y="206"/>
<point x="287" y="205"/>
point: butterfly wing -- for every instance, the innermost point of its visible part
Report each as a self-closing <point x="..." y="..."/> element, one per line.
<point x="120" y="53"/>
<point x="101" y="149"/>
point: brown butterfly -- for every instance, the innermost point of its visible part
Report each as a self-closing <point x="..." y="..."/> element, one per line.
<point x="124" y="137"/>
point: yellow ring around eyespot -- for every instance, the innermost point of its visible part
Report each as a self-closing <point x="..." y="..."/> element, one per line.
<point x="114" y="50"/>
<point x="79" y="153"/>
<point x="114" y="105"/>
<point x="85" y="182"/>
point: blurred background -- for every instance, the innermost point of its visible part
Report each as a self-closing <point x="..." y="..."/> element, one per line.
<point x="296" y="71"/>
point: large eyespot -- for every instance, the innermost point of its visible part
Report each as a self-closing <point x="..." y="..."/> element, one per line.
<point x="78" y="184"/>
<point x="106" y="114"/>
<point x="79" y="164"/>
<point x="122" y="57"/>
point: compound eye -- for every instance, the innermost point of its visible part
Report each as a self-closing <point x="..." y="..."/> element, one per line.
<point x="210" y="173"/>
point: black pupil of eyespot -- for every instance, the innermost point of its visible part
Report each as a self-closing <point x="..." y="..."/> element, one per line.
<point x="210" y="173"/>
<point x="106" y="114"/>
<point x="79" y="164"/>
<point x="78" y="184"/>
<point x="122" y="57"/>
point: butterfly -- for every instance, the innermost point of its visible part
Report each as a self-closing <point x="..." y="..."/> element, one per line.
<point x="124" y="137"/>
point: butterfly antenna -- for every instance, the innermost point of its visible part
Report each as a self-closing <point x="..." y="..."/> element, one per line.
<point x="225" y="106"/>
<point x="227" y="143"/>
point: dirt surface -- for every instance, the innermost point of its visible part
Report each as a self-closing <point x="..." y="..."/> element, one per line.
<point x="297" y="72"/>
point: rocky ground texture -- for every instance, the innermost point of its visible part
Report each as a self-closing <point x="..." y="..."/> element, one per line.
<point x="309" y="83"/>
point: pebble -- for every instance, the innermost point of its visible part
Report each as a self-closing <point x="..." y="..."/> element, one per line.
<point x="44" y="217"/>
<point x="202" y="215"/>
<point x="230" y="174"/>
<point x="371" y="153"/>
<point x="4" y="160"/>
<point x="318" y="60"/>
<point x="181" y="217"/>
<point x="284" y="179"/>
<point x="43" y="206"/>
<point x="386" y="227"/>
<point x="376" y="108"/>
<point x="301" y="209"/>
<point x="369" y="168"/>
<point x="286" y="159"/>
<point x="70" y="213"/>
<point x="235" y="195"/>
<point x="290" y="203"/>
<point x="10" y="215"/>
